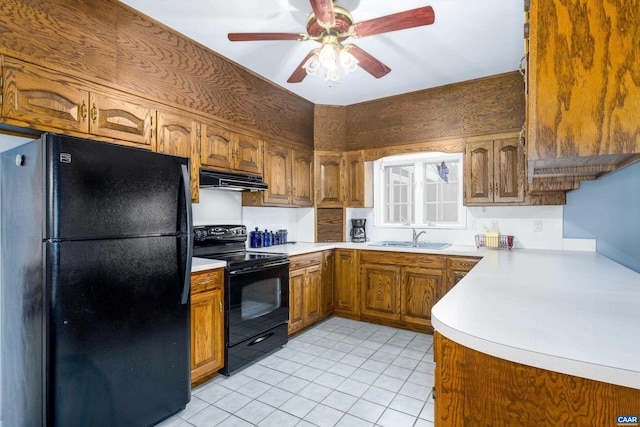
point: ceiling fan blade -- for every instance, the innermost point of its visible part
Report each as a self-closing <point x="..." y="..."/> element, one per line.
<point x="368" y="63"/>
<point x="323" y="9"/>
<point x="246" y="37"/>
<point x="300" y="73"/>
<point x="397" y="21"/>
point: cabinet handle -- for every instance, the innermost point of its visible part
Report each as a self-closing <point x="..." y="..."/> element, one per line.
<point x="94" y="112"/>
<point x="220" y="305"/>
<point x="83" y="111"/>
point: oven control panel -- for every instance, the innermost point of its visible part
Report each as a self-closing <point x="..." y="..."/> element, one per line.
<point x="220" y="232"/>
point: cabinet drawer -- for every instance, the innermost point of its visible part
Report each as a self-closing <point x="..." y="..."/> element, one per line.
<point x="402" y="258"/>
<point x="304" y="261"/>
<point x="462" y="264"/>
<point x="205" y="281"/>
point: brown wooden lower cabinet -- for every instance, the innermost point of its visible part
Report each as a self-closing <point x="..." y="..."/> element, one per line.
<point x="305" y="291"/>
<point x="394" y="288"/>
<point x="328" y="282"/>
<point x="347" y="300"/>
<point x="207" y="324"/>
<point x="475" y="389"/>
<point x="401" y="288"/>
<point x="457" y="268"/>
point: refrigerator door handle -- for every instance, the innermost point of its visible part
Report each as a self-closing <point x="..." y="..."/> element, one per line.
<point x="187" y="201"/>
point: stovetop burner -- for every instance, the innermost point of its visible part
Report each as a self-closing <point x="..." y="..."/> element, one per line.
<point x="227" y="243"/>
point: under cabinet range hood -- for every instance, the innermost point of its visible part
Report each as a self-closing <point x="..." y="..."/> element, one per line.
<point x="230" y="181"/>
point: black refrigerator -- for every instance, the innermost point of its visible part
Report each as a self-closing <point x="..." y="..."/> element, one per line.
<point x="96" y="259"/>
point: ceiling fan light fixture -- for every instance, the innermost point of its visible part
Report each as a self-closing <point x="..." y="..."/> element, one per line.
<point x="348" y="61"/>
<point x="331" y="57"/>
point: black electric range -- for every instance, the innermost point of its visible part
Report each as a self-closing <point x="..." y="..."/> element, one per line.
<point x="228" y="243"/>
<point x="256" y="294"/>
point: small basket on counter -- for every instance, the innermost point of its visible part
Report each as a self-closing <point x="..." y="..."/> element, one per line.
<point x="494" y="240"/>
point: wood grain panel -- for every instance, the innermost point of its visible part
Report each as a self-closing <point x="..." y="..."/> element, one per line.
<point x="329" y="130"/>
<point x="488" y="105"/>
<point x="75" y="37"/>
<point x="421" y="289"/>
<point x="329" y="225"/>
<point x="380" y="291"/>
<point x="347" y="296"/>
<point x="106" y="42"/>
<point x="584" y="92"/>
<point x="403" y="258"/>
<point x="474" y="389"/>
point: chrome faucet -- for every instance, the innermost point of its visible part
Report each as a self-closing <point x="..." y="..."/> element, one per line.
<point x="416" y="235"/>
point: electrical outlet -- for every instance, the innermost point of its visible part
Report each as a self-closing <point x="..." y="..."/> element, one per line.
<point x="537" y="226"/>
<point x="493" y="225"/>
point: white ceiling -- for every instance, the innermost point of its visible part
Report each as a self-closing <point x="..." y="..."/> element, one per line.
<point x="469" y="39"/>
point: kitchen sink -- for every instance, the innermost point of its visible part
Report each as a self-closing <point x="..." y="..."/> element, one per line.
<point x="406" y="244"/>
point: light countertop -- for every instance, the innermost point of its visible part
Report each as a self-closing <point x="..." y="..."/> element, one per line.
<point x="577" y="313"/>
<point x="202" y="264"/>
<point x="301" y="248"/>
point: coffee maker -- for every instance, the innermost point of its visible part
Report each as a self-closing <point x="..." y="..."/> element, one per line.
<point x="358" y="232"/>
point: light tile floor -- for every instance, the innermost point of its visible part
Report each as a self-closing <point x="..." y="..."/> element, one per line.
<point x="338" y="373"/>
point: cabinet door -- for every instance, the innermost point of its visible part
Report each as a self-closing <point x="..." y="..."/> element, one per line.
<point x="277" y="173"/>
<point x="178" y="134"/>
<point x="508" y="171"/>
<point x="328" y="263"/>
<point x="302" y="177"/>
<point x="421" y="289"/>
<point x="117" y="117"/>
<point x="296" y="300"/>
<point x="217" y="146"/>
<point x="312" y="295"/>
<point x="584" y="92"/>
<point x="329" y="188"/>
<point x="207" y="334"/>
<point x="355" y="180"/>
<point x="46" y="100"/>
<point x="346" y="284"/>
<point x="478" y="172"/>
<point x="379" y="290"/>
<point x="248" y="156"/>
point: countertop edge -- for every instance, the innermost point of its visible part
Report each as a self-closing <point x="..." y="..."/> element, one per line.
<point x="203" y="264"/>
<point x="591" y="371"/>
<point x="467" y="329"/>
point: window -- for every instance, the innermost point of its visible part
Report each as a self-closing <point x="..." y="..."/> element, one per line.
<point x="422" y="190"/>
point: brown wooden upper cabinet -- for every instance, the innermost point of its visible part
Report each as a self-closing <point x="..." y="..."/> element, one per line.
<point x="494" y="172"/>
<point x="329" y="179"/>
<point x="359" y="180"/>
<point x="228" y="150"/>
<point x="288" y="171"/>
<point x="47" y="100"/>
<point x="583" y="90"/>
<point x="179" y="135"/>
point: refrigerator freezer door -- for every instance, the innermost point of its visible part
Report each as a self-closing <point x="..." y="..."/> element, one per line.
<point x="99" y="190"/>
<point x="118" y="331"/>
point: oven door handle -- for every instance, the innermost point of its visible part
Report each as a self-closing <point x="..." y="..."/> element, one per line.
<point x="260" y="267"/>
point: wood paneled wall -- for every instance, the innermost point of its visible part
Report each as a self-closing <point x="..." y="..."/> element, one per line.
<point x="329" y="130"/>
<point x="477" y="107"/>
<point x="106" y="42"/>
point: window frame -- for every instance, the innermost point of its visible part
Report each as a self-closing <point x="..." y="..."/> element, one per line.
<point x="418" y="160"/>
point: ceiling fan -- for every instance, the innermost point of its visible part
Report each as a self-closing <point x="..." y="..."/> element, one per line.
<point x="330" y="25"/>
